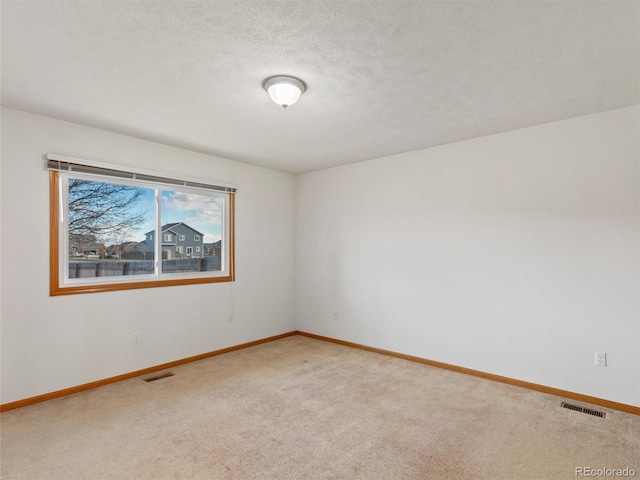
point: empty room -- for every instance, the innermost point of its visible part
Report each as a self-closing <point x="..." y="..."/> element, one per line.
<point x="320" y="239"/>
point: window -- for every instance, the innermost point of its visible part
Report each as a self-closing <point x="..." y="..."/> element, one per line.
<point x="196" y="238"/>
<point x="104" y="222"/>
<point x="181" y="238"/>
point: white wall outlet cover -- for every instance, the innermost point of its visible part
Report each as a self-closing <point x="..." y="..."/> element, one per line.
<point x="601" y="359"/>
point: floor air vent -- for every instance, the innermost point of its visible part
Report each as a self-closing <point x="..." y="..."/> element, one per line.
<point x="589" y="411"/>
<point x="159" y="377"/>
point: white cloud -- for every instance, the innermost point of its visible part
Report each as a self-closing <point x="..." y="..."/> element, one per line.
<point x="210" y="237"/>
<point x="192" y="209"/>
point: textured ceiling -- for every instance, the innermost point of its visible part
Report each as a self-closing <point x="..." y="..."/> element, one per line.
<point x="383" y="76"/>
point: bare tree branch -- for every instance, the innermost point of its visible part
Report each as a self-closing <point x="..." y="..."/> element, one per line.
<point x="103" y="209"/>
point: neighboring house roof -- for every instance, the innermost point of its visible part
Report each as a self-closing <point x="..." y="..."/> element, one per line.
<point x="170" y="226"/>
<point x="212" y="246"/>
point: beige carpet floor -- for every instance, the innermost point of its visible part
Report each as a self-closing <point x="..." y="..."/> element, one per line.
<point x="299" y="408"/>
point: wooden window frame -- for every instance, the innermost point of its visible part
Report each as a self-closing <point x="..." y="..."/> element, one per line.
<point x="55" y="289"/>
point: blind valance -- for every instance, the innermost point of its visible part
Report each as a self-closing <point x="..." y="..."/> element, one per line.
<point x="67" y="164"/>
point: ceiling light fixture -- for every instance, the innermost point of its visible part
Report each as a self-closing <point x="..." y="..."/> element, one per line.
<point x="283" y="89"/>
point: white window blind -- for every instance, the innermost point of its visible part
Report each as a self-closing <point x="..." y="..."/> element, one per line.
<point x="67" y="164"/>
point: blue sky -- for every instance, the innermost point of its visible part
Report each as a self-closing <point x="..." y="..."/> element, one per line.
<point x="201" y="212"/>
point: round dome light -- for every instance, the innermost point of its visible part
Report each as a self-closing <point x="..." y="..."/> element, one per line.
<point x="284" y="90"/>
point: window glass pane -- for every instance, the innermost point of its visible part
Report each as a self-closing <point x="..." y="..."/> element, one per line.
<point x="196" y="221"/>
<point x="110" y="228"/>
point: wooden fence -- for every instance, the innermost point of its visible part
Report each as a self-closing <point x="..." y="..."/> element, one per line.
<point x="115" y="268"/>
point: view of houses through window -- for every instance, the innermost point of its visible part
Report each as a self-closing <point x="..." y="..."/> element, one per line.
<point x="112" y="227"/>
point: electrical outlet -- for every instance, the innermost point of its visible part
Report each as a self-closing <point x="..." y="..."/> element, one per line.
<point x="335" y="316"/>
<point x="137" y="337"/>
<point x="601" y="359"/>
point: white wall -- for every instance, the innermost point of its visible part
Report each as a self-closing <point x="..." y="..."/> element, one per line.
<point x="51" y="343"/>
<point x="515" y="254"/>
